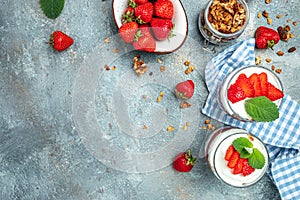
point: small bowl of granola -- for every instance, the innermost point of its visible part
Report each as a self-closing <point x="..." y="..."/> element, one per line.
<point x="223" y="20"/>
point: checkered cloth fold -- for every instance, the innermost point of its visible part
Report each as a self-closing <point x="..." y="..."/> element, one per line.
<point x="282" y="136"/>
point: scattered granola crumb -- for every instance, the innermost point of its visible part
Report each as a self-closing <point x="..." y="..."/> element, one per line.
<point x="273" y="67"/>
<point x="187" y="63"/>
<point x="259" y="15"/>
<point x="265" y="14"/>
<point x="159" y="60"/>
<point x="268" y="1"/>
<point x="185" y="104"/>
<point x="159" y="98"/>
<point x="139" y="66"/>
<point x="184" y="127"/>
<point x="114" y="68"/>
<point x="288" y="21"/>
<point x="170" y="128"/>
<point x="107" y="68"/>
<point x="106" y="40"/>
<point x="115" y="50"/>
<point x="187" y="123"/>
<point x="278" y="71"/>
<point x="207" y="121"/>
<point x="294" y="23"/>
<point x="162" y="68"/>
<point x="258" y="60"/>
<point x="268" y="60"/>
<point x="144" y="127"/>
<point x="279" y="16"/>
<point x="269" y="20"/>
<point x="292" y="49"/>
<point x="280" y="53"/>
<point x="204" y="127"/>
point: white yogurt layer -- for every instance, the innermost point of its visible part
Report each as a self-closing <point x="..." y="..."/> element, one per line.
<point x="216" y="148"/>
<point x="238" y="109"/>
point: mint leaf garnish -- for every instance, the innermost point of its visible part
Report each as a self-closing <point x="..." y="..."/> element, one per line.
<point x="240" y="143"/>
<point x="261" y="109"/>
<point x="52" y="8"/>
<point x="257" y="159"/>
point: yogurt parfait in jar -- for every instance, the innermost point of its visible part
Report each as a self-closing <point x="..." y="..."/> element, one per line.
<point x="223" y="20"/>
<point x="236" y="157"/>
<point x="251" y="93"/>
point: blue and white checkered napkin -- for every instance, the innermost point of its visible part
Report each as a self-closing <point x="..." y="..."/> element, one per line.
<point x="282" y="136"/>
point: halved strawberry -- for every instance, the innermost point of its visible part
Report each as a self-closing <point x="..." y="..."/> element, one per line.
<point x="239" y="166"/>
<point x="229" y="152"/>
<point x="255" y="81"/>
<point x="245" y="84"/>
<point x="263" y="77"/>
<point x="235" y="93"/>
<point x="247" y="169"/>
<point x="274" y="93"/>
<point x="233" y="159"/>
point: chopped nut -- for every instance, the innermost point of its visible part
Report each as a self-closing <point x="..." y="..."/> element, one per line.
<point x="280" y="53"/>
<point x="294" y="23"/>
<point x="159" y="98"/>
<point x="170" y="128"/>
<point x="106" y="40"/>
<point x="159" y="60"/>
<point x="204" y="127"/>
<point x="284" y="33"/>
<point x="116" y="50"/>
<point x="273" y="67"/>
<point x="185" y="104"/>
<point x="268" y="1"/>
<point x="162" y="68"/>
<point x="144" y="127"/>
<point x="292" y="35"/>
<point x="187" y="63"/>
<point x="259" y="15"/>
<point x="191" y="67"/>
<point x="211" y="127"/>
<point x="107" y="67"/>
<point x="139" y="66"/>
<point x="268" y="60"/>
<point x="187" y="71"/>
<point x="187" y="123"/>
<point x="250" y="137"/>
<point x="265" y="14"/>
<point x="279" y="16"/>
<point x="292" y="49"/>
<point x="207" y="121"/>
<point x="184" y="128"/>
<point x="278" y="71"/>
<point x="258" y="60"/>
<point x="269" y="20"/>
<point x="114" y="68"/>
<point x="288" y="21"/>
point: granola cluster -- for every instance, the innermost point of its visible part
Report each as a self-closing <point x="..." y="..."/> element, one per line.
<point x="227" y="16"/>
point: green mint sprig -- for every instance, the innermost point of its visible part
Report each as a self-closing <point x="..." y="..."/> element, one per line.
<point x="246" y="150"/>
<point x="262" y="109"/>
<point x="52" y="8"/>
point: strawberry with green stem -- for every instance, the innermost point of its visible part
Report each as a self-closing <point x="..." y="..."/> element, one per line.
<point x="60" y="41"/>
<point x="162" y="28"/>
<point x="128" y="30"/>
<point x="184" y="162"/>
<point x="184" y="90"/>
<point x="143" y="13"/>
<point x="144" y="40"/>
<point x="164" y="9"/>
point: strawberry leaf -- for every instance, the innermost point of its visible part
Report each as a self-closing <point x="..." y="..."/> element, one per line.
<point x="262" y="109"/>
<point x="257" y="159"/>
<point x="52" y="8"/>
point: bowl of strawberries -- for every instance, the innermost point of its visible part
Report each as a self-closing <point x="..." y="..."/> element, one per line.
<point x="156" y="26"/>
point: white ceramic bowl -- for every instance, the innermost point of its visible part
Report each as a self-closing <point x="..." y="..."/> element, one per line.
<point x="179" y="20"/>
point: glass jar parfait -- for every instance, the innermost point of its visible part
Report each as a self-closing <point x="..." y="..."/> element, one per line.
<point x="216" y="150"/>
<point x="223" y="20"/>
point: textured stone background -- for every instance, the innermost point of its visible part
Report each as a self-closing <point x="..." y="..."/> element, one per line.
<point x="41" y="152"/>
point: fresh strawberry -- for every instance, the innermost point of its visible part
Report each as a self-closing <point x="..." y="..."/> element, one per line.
<point x="60" y="41"/>
<point x="127" y="31"/>
<point x="229" y="152"/>
<point x="247" y="169"/>
<point x="128" y="15"/>
<point x="143" y="13"/>
<point x="164" y="9"/>
<point x="144" y="41"/>
<point x="140" y="1"/>
<point x="255" y="81"/>
<point x="184" y="90"/>
<point x="162" y="28"/>
<point x="274" y="93"/>
<point x="184" y="162"/>
<point x="244" y="83"/>
<point x="263" y="77"/>
<point x="235" y="93"/>
<point x="233" y="160"/>
<point x="239" y="166"/>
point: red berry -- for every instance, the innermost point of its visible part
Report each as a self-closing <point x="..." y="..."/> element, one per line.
<point x="229" y="152"/>
<point x="143" y="13"/>
<point x="144" y="41"/>
<point x="162" y="28"/>
<point x="164" y="9"/>
<point x="127" y="31"/>
<point x="274" y="93"/>
<point x="233" y="159"/>
<point x="263" y="77"/>
<point x="140" y="1"/>
<point x="244" y="83"/>
<point x="184" y="162"/>
<point x="239" y="166"/>
<point x="235" y="93"/>
<point x="60" y="41"/>
<point x="247" y="169"/>
<point x="255" y="81"/>
<point x="184" y="90"/>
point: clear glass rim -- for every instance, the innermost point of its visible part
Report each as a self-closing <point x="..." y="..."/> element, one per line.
<point x="229" y="35"/>
<point x="262" y="173"/>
